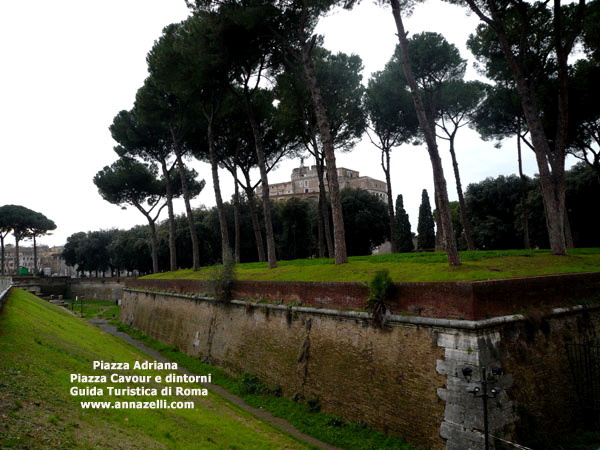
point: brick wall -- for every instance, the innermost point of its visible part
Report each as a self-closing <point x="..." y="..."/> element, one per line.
<point x="405" y="379"/>
<point x="386" y="379"/>
<point x="535" y="354"/>
<point x="96" y="288"/>
<point x="454" y="300"/>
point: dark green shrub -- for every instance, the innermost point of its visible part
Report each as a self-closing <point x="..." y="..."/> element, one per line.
<point x="380" y="290"/>
<point x="314" y="404"/>
<point x="250" y="384"/>
<point x="223" y="279"/>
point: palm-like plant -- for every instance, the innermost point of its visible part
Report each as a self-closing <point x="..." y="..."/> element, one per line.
<point x="380" y="290"/>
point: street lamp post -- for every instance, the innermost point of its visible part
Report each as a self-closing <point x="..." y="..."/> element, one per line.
<point x="485" y="392"/>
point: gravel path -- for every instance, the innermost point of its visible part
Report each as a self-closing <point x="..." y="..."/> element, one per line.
<point x="278" y="423"/>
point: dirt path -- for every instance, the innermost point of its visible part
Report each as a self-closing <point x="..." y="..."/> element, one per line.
<point x="278" y="423"/>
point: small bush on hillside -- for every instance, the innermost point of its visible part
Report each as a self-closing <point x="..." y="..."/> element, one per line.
<point x="223" y="279"/>
<point x="381" y="288"/>
<point x="250" y="384"/>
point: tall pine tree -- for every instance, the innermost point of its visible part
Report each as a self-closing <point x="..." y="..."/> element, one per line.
<point x="404" y="241"/>
<point x="425" y="228"/>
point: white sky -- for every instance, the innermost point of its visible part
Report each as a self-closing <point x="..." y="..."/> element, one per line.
<point x="69" y="66"/>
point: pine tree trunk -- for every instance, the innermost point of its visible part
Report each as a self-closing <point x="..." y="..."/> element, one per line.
<point x="262" y="166"/>
<point x="324" y="231"/>
<point x="553" y="194"/>
<point x="236" y="219"/>
<point x="260" y="249"/>
<point x="464" y="213"/>
<point x="322" y="245"/>
<point x="217" y="187"/>
<point x="2" y="269"/>
<point x="524" y="209"/>
<point x="188" y="208"/>
<point x="341" y="255"/>
<point x="323" y="208"/>
<point x="169" y="195"/>
<point x="568" y="234"/>
<point x="153" y="238"/>
<point x="322" y="249"/>
<point x="441" y="191"/>
<point x="551" y="163"/>
<point x="390" y="202"/>
<point x="439" y="233"/>
<point x="552" y="183"/>
<point x="154" y="246"/>
<point x="17" y="262"/>
<point x="34" y="256"/>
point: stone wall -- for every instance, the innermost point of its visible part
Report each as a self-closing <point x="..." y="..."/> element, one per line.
<point x="5" y="285"/>
<point x="92" y="288"/>
<point x="43" y="286"/>
<point x="384" y="378"/>
<point x="96" y="288"/>
<point x="405" y="379"/>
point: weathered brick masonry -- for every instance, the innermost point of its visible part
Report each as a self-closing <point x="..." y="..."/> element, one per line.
<point x="385" y="378"/>
<point x="404" y="379"/>
<point x="96" y="288"/>
<point x="469" y="300"/>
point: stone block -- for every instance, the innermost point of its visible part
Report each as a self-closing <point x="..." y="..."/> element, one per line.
<point x="462" y="357"/>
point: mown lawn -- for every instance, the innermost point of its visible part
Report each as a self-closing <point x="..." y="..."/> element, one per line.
<point x="41" y="345"/>
<point x="417" y="267"/>
<point x="92" y="308"/>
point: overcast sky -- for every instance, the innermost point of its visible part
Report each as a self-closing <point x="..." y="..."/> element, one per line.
<point x="69" y="66"/>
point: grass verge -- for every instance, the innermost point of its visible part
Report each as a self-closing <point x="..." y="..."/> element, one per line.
<point x="88" y="308"/>
<point x="415" y="267"/>
<point x="41" y="345"/>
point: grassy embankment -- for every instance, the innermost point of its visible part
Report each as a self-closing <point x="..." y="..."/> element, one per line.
<point x="41" y="345"/>
<point x="419" y="267"/>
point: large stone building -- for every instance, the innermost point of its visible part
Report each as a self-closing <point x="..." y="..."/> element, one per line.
<point x="305" y="184"/>
<point x="49" y="260"/>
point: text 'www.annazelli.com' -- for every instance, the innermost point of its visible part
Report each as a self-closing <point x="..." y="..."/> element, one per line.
<point x="158" y="404"/>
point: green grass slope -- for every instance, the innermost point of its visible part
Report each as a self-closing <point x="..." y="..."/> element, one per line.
<point x="417" y="267"/>
<point x="41" y="345"/>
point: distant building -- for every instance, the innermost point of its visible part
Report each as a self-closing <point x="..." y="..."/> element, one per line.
<point x="49" y="260"/>
<point x="305" y="184"/>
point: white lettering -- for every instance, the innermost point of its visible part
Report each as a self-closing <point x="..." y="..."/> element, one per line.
<point x="130" y="378"/>
<point x="110" y="366"/>
<point x="86" y="391"/>
<point x="155" y="365"/>
<point x="172" y="378"/>
<point x="193" y="392"/>
<point x="75" y="377"/>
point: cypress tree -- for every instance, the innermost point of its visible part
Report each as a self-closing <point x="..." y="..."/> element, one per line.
<point x="425" y="228"/>
<point x="404" y="241"/>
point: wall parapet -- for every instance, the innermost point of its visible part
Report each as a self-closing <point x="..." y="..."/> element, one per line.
<point x="390" y="319"/>
<point x="5" y="285"/>
<point x="462" y="300"/>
